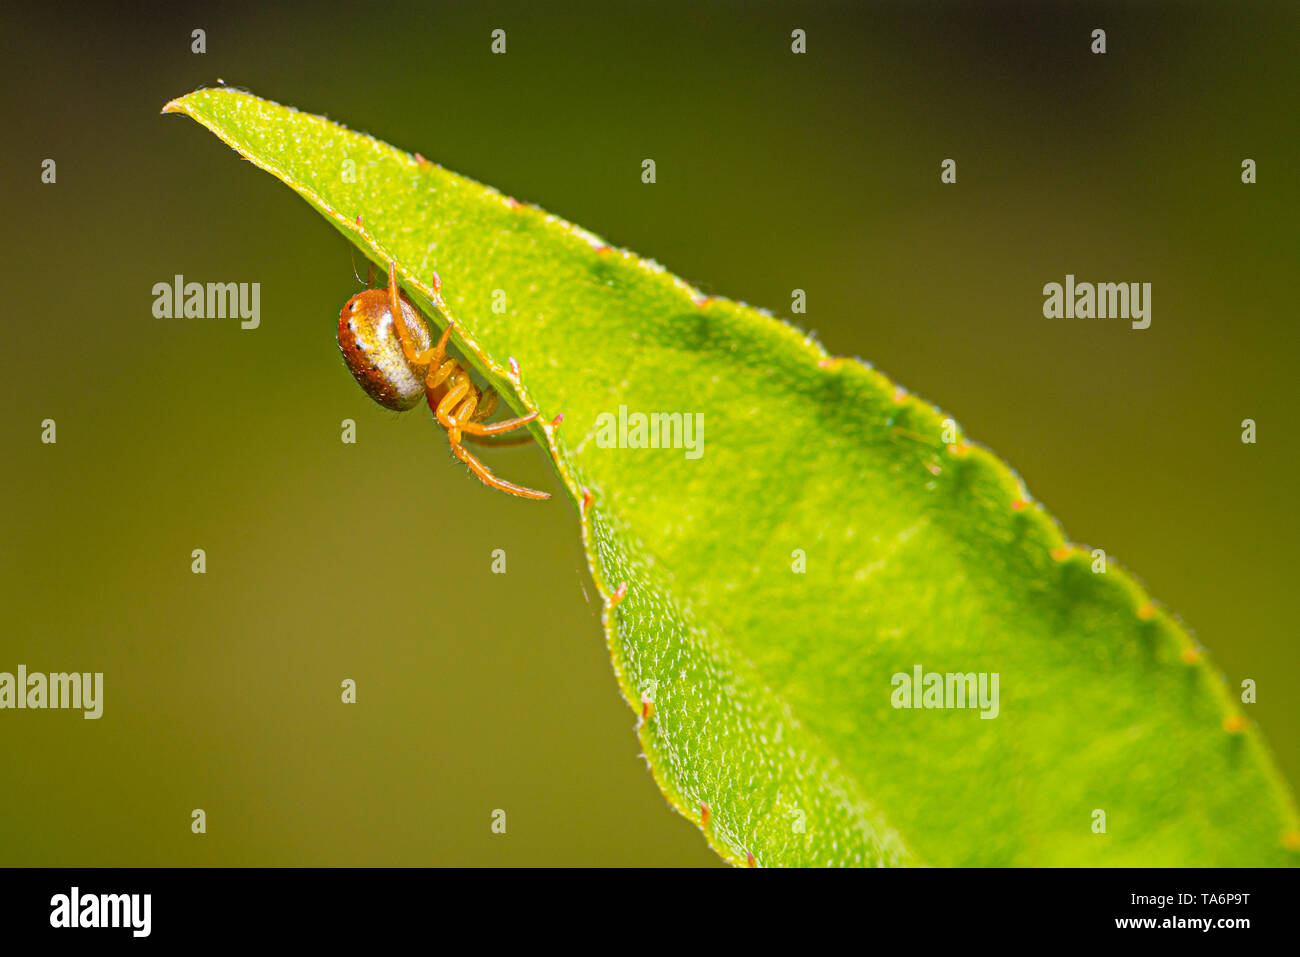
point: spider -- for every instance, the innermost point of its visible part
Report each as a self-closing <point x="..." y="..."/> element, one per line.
<point x="385" y="343"/>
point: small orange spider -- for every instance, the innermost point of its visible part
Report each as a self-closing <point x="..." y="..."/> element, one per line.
<point x="385" y="342"/>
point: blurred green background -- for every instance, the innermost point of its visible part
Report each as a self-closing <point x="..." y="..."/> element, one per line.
<point x="372" y="561"/>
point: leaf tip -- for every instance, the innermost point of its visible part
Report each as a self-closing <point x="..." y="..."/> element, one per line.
<point x="181" y="104"/>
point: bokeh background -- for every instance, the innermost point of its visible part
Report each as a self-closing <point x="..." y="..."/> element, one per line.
<point x="372" y="561"/>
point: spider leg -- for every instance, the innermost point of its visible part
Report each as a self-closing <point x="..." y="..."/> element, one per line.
<point x="488" y="401"/>
<point x="457" y="408"/>
<point x="464" y="412"/>
<point x="482" y="435"/>
<point x="466" y="415"/>
<point x="429" y="357"/>
<point x="457" y="390"/>
<point x="438" y="374"/>
<point x="461" y="397"/>
<point x="487" y="478"/>
<point x="490" y="442"/>
<point x="497" y="428"/>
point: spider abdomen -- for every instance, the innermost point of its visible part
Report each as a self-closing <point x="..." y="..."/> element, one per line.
<point x="371" y="348"/>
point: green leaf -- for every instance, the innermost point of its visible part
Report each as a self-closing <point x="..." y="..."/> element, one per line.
<point x="772" y="688"/>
